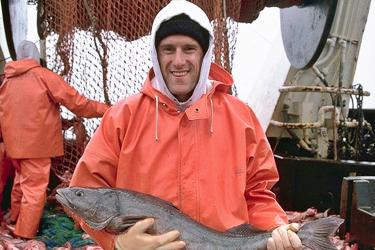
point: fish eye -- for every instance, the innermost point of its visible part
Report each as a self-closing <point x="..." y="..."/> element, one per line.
<point x="79" y="193"/>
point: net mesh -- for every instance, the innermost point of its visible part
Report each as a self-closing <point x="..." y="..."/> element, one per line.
<point x="102" y="49"/>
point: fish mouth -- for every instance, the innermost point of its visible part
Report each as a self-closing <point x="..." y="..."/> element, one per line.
<point x="60" y="197"/>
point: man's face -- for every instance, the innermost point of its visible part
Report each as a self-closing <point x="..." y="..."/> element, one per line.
<point x="180" y="58"/>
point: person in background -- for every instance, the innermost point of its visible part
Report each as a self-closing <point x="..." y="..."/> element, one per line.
<point x="184" y="139"/>
<point x="30" y="99"/>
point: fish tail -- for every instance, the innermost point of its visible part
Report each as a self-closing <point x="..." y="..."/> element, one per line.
<point x="316" y="234"/>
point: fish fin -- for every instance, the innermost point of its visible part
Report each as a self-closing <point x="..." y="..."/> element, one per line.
<point x="244" y="230"/>
<point x="122" y="223"/>
<point x="316" y="234"/>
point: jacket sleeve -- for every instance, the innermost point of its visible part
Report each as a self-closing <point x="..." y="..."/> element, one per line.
<point x="98" y="164"/>
<point x="263" y="209"/>
<point x="61" y="92"/>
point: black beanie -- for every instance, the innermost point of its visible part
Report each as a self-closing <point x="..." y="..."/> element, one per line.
<point x="183" y="25"/>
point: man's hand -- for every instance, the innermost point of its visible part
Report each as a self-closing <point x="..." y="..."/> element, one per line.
<point x="285" y="237"/>
<point x="137" y="239"/>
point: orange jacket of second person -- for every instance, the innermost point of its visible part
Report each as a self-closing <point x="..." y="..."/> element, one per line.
<point x="212" y="161"/>
<point x="29" y="109"/>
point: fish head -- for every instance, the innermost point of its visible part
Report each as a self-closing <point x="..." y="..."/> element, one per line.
<point x="96" y="206"/>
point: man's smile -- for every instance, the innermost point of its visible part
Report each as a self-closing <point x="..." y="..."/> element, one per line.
<point x="179" y="73"/>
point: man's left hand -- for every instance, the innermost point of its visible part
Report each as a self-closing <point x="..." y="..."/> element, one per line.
<point x="285" y="237"/>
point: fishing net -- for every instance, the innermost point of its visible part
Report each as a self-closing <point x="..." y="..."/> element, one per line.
<point x="102" y="49"/>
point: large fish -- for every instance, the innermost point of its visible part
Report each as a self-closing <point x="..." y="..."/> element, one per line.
<point x="115" y="210"/>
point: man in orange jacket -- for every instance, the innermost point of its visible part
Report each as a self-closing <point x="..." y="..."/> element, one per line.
<point x="30" y="97"/>
<point x="187" y="141"/>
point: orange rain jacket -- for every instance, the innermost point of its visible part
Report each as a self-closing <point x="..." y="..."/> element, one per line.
<point x="29" y="109"/>
<point x="212" y="161"/>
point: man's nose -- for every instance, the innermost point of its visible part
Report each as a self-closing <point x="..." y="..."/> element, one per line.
<point x="179" y="58"/>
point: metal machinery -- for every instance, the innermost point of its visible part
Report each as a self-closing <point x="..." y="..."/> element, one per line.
<point x="358" y="208"/>
<point x="319" y="130"/>
<point x="314" y="105"/>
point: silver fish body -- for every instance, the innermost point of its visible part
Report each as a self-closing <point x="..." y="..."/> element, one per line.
<point x="115" y="210"/>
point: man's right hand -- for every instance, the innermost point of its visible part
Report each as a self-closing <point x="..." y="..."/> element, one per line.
<point x="136" y="238"/>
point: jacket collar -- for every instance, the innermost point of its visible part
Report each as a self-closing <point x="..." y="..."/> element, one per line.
<point x="19" y="67"/>
<point x="201" y="109"/>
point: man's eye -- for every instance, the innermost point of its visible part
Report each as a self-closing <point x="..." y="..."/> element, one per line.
<point x="167" y="51"/>
<point x="190" y="49"/>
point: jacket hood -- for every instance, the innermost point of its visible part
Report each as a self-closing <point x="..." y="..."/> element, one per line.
<point x="27" y="49"/>
<point x="16" y="68"/>
<point x="174" y="8"/>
